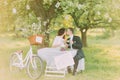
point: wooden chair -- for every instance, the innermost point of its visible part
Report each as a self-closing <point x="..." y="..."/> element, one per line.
<point x="61" y="63"/>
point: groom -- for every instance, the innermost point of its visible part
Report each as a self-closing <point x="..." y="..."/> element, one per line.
<point x="74" y="43"/>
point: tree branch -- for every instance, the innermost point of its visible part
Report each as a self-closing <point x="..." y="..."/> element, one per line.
<point x="51" y="11"/>
<point x="37" y="7"/>
<point x="76" y="18"/>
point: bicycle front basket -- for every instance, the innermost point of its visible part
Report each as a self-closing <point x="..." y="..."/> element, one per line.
<point x="35" y="39"/>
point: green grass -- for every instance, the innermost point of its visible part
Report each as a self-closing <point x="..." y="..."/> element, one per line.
<point x="102" y="59"/>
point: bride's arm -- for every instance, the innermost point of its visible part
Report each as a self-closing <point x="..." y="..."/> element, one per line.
<point x="56" y="43"/>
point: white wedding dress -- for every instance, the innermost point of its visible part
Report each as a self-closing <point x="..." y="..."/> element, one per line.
<point x="48" y="54"/>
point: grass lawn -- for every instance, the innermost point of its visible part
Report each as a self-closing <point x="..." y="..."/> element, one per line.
<point x="102" y="59"/>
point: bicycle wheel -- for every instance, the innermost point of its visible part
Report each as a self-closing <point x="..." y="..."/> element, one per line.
<point x="35" y="67"/>
<point x="13" y="61"/>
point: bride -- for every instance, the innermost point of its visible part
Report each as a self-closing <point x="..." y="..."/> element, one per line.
<point x="47" y="54"/>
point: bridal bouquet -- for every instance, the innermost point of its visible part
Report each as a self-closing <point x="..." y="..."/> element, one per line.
<point x="62" y="48"/>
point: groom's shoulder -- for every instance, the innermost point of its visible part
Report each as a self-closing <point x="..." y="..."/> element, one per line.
<point x="76" y="36"/>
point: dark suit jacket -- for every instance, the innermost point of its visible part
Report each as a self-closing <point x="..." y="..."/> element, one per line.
<point x="77" y="44"/>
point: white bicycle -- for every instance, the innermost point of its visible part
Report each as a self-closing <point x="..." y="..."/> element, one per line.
<point x="32" y="63"/>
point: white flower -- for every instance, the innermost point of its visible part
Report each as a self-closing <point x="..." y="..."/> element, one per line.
<point x="98" y="13"/>
<point x="47" y="20"/>
<point x="27" y="7"/>
<point x="79" y="6"/>
<point x="33" y="25"/>
<point x="30" y="15"/>
<point x="38" y="18"/>
<point x="44" y="23"/>
<point x="106" y="15"/>
<point x="70" y="3"/>
<point x="67" y="17"/>
<point x="84" y="30"/>
<point x="57" y="5"/>
<point x="14" y="10"/>
<point x="110" y="20"/>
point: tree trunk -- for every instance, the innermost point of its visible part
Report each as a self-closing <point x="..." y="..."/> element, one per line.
<point x="46" y="42"/>
<point x="46" y="16"/>
<point x="46" y="33"/>
<point x="84" y="37"/>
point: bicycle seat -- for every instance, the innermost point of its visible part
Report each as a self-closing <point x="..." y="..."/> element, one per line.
<point x="19" y="51"/>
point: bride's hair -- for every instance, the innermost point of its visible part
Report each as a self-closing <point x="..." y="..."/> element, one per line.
<point x="61" y="31"/>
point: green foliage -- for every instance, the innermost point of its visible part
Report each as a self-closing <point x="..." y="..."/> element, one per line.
<point x="89" y="13"/>
<point x="86" y="15"/>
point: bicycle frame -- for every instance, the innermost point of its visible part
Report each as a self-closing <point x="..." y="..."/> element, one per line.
<point x="23" y="62"/>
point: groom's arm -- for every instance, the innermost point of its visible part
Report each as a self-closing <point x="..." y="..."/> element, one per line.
<point x="77" y="44"/>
